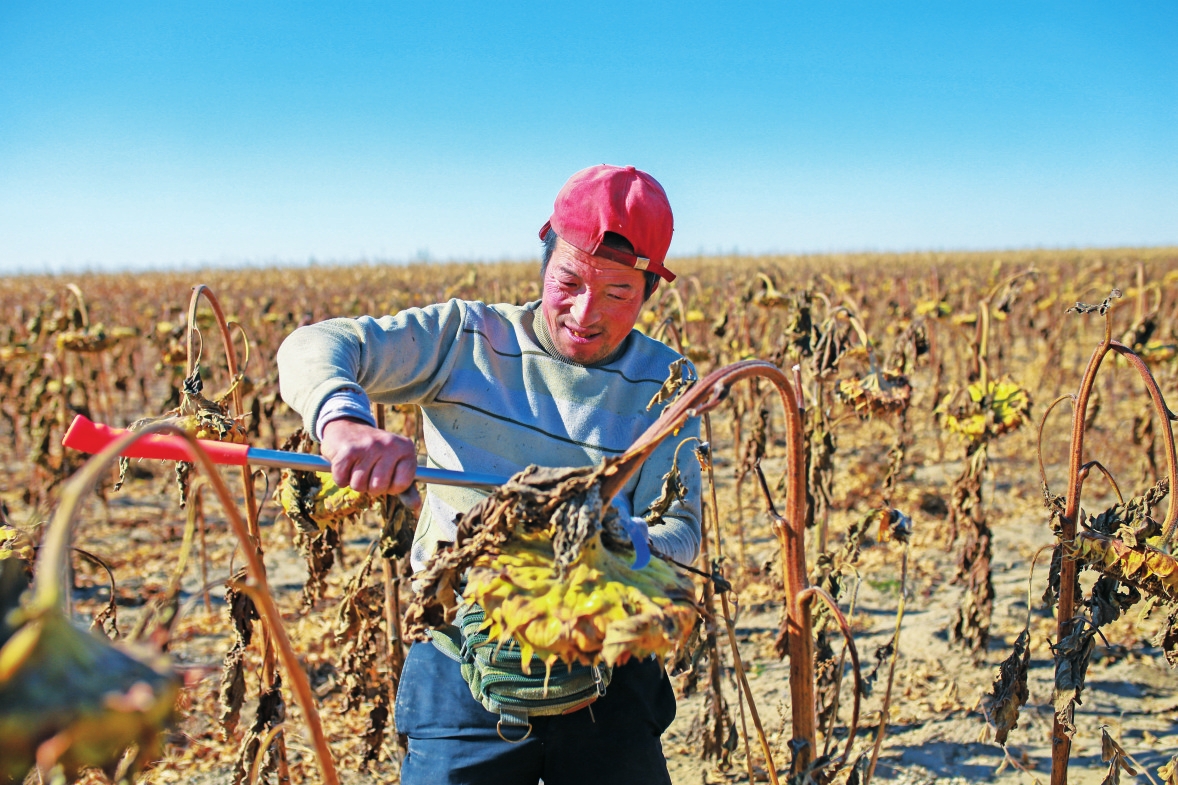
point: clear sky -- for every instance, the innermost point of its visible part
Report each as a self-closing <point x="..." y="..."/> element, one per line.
<point x="163" y="134"/>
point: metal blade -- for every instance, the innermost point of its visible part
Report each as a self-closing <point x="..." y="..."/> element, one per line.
<point x="317" y="463"/>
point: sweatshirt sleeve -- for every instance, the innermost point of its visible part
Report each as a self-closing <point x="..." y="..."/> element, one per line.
<point x="344" y="403"/>
<point x="677" y="533"/>
<point x="405" y="358"/>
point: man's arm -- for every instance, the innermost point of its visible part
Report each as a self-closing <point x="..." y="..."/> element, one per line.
<point x="328" y="370"/>
<point x="395" y="359"/>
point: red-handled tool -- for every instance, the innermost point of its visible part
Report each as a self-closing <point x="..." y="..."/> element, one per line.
<point x="91" y="437"/>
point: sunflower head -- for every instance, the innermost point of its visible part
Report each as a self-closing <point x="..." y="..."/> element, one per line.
<point x="69" y="698"/>
<point x="544" y="558"/>
<point x="1001" y="407"/>
<point x="314" y="502"/>
<point x="877" y="394"/>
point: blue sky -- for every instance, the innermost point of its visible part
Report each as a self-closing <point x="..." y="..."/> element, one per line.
<point x="165" y="134"/>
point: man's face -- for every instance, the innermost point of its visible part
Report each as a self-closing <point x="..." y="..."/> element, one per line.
<point x="589" y="304"/>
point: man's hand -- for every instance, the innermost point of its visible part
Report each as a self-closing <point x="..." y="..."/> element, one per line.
<point x="368" y="459"/>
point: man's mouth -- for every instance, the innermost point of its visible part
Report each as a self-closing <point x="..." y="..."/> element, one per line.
<point x="581" y="335"/>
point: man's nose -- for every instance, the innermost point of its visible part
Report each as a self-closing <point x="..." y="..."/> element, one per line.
<point x="584" y="308"/>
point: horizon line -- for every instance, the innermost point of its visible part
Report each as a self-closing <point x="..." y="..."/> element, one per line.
<point x="333" y="263"/>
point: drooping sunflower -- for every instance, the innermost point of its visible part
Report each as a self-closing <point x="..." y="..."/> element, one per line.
<point x="547" y="561"/>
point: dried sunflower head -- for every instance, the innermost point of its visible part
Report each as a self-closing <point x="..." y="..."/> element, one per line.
<point x="93" y="339"/>
<point x="15" y="544"/>
<point x="69" y="698"/>
<point x="170" y="339"/>
<point x="769" y="296"/>
<point x="14" y="351"/>
<point x="934" y="308"/>
<point x="314" y="502"/>
<point x="16" y="572"/>
<point x="1156" y="351"/>
<point x="551" y="572"/>
<point x="1002" y="407"/>
<point x="599" y="611"/>
<point x="200" y="416"/>
<point x="206" y="418"/>
<point x="876" y="394"/>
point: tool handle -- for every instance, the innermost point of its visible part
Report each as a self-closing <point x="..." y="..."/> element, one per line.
<point x="91" y="437"/>
<point x="86" y="436"/>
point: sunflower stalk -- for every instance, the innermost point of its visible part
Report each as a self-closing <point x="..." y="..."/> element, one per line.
<point x="990" y="409"/>
<point x="899" y="527"/>
<point x="254" y="540"/>
<point x="716" y="723"/>
<point x="790" y="529"/>
<point x="259" y="592"/>
<point x="1069" y="633"/>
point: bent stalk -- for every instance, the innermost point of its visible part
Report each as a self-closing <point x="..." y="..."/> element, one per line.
<point x="52" y="564"/>
<point x="790" y="529"/>
<point x="1077" y="472"/>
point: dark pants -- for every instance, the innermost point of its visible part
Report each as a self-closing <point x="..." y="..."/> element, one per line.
<point x="452" y="738"/>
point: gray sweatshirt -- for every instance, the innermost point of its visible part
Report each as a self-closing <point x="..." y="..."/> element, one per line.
<point x="495" y="397"/>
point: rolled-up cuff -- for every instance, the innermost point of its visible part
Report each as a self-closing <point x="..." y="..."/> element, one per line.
<point x="343" y="403"/>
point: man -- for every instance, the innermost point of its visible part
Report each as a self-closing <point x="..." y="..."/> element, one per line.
<point x="560" y="382"/>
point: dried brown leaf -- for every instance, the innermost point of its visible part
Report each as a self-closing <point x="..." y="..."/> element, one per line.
<point x="1072" y="654"/>
<point x="1114" y="755"/>
<point x="232" y="690"/>
<point x="1101" y="308"/>
<point x="673" y="490"/>
<point x="1010" y="692"/>
<point x="680" y="376"/>
<point x="271" y="712"/>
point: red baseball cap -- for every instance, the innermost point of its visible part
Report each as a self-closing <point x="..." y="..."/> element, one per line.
<point x="619" y="199"/>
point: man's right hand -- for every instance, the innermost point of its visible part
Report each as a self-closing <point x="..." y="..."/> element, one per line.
<point x="368" y="459"/>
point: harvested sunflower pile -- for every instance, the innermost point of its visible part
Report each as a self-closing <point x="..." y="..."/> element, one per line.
<point x="546" y="558"/>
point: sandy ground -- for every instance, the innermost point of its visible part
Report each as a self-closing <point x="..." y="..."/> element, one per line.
<point x="937" y="729"/>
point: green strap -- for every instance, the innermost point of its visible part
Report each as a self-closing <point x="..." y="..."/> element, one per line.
<point x="447" y="640"/>
<point x="511" y="724"/>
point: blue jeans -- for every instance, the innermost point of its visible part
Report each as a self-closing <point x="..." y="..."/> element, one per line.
<point x="452" y="738"/>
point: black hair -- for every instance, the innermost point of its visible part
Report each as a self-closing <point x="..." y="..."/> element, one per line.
<point x="610" y="240"/>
